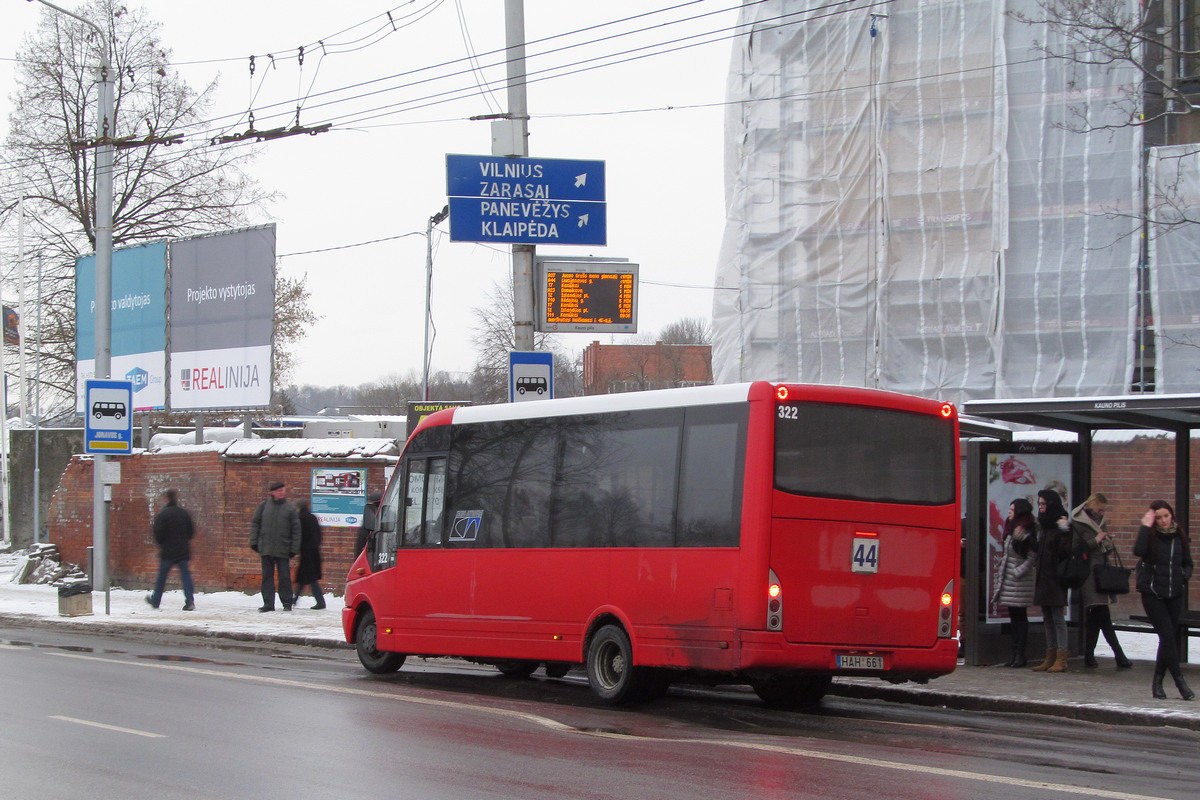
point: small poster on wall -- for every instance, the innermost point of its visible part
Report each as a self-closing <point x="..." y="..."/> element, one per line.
<point x="338" y="496"/>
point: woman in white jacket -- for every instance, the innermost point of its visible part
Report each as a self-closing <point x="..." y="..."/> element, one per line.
<point x="1016" y="574"/>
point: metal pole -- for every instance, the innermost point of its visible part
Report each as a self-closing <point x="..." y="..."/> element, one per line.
<point x="518" y="111"/>
<point x="433" y="221"/>
<point x="22" y="403"/>
<point x="103" y="228"/>
<point x="37" y="414"/>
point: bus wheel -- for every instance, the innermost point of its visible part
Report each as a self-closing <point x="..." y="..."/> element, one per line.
<point x="792" y="692"/>
<point x="516" y="669"/>
<point x="610" y="669"/>
<point x="557" y="669"/>
<point x="380" y="662"/>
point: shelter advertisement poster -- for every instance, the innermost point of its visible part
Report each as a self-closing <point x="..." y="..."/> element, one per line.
<point x="1016" y="471"/>
<point x="338" y="496"/>
<point x="139" y="320"/>
<point x="222" y="316"/>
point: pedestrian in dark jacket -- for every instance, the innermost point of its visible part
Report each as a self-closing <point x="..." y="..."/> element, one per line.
<point x="1016" y="573"/>
<point x="275" y="536"/>
<point x="1163" y="571"/>
<point x="1054" y="544"/>
<point x="308" y="571"/>
<point x="173" y="532"/>
<point x="1088" y="524"/>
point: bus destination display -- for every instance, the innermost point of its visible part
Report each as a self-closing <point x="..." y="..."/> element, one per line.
<point x="582" y="300"/>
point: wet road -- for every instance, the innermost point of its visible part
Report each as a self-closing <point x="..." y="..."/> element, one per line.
<point x="88" y="716"/>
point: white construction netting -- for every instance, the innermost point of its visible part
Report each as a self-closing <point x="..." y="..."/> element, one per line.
<point x="911" y="205"/>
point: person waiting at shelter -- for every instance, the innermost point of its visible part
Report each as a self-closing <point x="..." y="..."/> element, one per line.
<point x="1054" y="544"/>
<point x="1087" y="522"/>
<point x="1163" y="572"/>
<point x="1016" y="574"/>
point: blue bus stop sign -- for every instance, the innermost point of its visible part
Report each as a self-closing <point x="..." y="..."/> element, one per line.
<point x="108" y="417"/>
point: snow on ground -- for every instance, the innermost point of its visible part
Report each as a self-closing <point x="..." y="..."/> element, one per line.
<point x="232" y="612"/>
<point x="237" y="613"/>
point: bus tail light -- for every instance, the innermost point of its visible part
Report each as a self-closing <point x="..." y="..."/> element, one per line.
<point x="774" y="602"/>
<point x="946" y="612"/>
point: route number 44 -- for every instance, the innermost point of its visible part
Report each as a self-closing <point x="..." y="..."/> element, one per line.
<point x="864" y="557"/>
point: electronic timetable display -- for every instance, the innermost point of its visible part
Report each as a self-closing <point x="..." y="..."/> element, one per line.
<point x="580" y="297"/>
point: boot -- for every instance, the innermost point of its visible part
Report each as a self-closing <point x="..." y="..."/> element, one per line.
<point x="1184" y="691"/>
<point x="1156" y="687"/>
<point x="1051" y="655"/>
<point x="1060" y="662"/>
<point x="1118" y="653"/>
<point x="1020" y="637"/>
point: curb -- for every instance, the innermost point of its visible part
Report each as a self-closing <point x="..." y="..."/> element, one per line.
<point x="1107" y="715"/>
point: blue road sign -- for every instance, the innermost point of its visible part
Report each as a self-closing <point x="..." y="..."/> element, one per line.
<point x="108" y="417"/>
<point x="526" y="200"/>
<point x="475" y="219"/>
<point x="498" y="177"/>
<point x="530" y="375"/>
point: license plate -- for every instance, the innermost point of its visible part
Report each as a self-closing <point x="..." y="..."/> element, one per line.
<point x="860" y="662"/>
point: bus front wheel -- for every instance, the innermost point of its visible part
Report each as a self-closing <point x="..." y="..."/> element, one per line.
<point x="792" y="692"/>
<point x="377" y="661"/>
<point x="610" y="669"/>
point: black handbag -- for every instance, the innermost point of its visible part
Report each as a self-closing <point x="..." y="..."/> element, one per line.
<point x="1112" y="579"/>
<point x="1072" y="571"/>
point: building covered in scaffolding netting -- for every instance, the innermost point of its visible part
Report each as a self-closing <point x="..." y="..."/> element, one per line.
<point x="945" y="198"/>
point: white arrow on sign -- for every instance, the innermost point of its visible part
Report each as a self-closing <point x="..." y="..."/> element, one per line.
<point x="580" y="180"/>
<point x="583" y="220"/>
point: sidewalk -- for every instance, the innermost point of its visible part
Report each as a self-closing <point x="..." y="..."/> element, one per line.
<point x="1105" y="694"/>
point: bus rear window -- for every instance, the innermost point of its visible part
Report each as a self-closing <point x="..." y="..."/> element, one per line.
<point x="868" y="454"/>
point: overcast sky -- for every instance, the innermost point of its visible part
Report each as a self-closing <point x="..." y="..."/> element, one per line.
<point x="656" y="121"/>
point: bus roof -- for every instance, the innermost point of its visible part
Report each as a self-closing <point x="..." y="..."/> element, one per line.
<point x="625" y="401"/>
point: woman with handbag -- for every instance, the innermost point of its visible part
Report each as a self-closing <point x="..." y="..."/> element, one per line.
<point x="1054" y="545"/>
<point x="1163" y="572"/>
<point x="1087" y="522"/>
<point x="1015" y="575"/>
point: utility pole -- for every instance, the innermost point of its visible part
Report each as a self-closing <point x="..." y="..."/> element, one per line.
<point x="433" y="221"/>
<point x="518" y="113"/>
<point x="103" y="228"/>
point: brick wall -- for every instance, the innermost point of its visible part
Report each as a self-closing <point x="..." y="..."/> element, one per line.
<point x="1131" y="474"/>
<point x="221" y="495"/>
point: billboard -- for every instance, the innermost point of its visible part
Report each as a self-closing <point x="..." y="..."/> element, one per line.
<point x="139" y="342"/>
<point x="222" y="311"/>
<point x="1019" y="470"/>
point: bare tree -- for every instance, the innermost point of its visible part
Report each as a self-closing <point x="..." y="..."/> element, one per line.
<point x="159" y="190"/>
<point x="688" y="330"/>
<point x="494" y="338"/>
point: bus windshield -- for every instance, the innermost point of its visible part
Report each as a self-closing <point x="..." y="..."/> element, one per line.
<point x="862" y="453"/>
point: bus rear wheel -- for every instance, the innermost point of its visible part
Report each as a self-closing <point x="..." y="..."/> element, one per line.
<point x="380" y="662"/>
<point x="610" y="669"/>
<point x="792" y="692"/>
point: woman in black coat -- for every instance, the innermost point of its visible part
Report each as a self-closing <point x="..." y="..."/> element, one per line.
<point x="1054" y="543"/>
<point x="1163" y="572"/>
<point x="308" y="571"/>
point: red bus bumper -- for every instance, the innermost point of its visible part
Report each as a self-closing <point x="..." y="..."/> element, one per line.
<point x="766" y="651"/>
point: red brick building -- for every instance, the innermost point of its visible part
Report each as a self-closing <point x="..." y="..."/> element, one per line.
<point x="613" y="368"/>
<point x="220" y="490"/>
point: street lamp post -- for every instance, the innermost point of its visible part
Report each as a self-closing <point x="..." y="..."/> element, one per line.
<point x="103" y="228"/>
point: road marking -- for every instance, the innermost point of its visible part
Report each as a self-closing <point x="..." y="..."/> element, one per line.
<point x="554" y="725"/>
<point x="116" y="728"/>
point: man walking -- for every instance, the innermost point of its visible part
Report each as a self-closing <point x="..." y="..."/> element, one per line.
<point x="275" y="536"/>
<point x="173" y="531"/>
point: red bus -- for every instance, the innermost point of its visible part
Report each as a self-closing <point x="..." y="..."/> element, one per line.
<point x="769" y="534"/>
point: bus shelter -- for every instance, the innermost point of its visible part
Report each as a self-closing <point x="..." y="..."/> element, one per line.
<point x="1065" y="464"/>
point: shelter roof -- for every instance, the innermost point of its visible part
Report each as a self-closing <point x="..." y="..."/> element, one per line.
<point x="1169" y="412"/>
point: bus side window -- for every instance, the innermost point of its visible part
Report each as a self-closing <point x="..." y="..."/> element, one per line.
<point x="424" y="500"/>
<point x="414" y="500"/>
